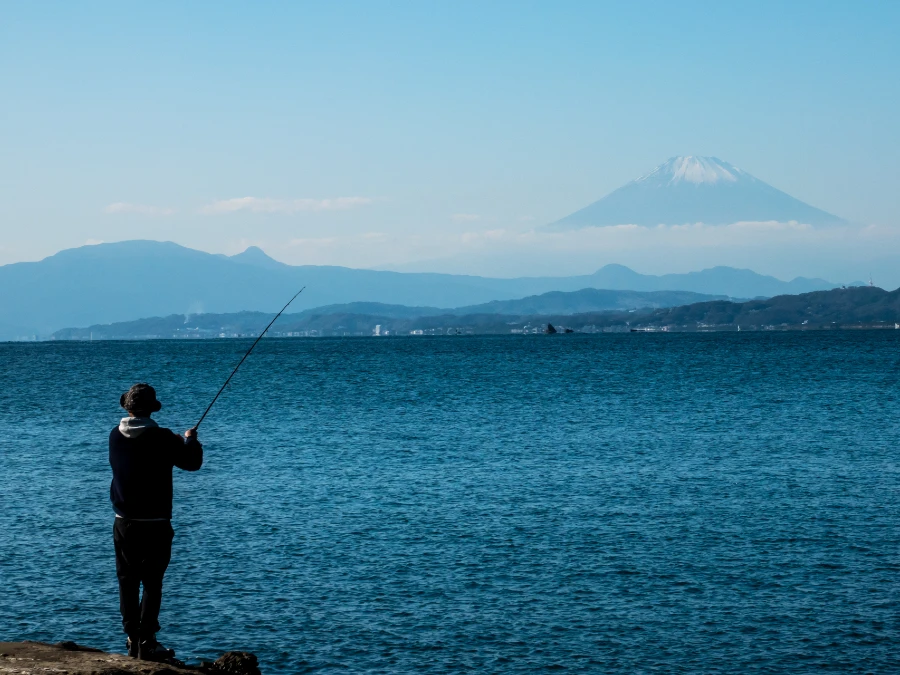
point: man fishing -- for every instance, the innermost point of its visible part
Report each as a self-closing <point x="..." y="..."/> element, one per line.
<point x="142" y="455"/>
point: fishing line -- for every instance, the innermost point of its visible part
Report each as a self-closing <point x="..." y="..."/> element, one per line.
<point x="246" y="355"/>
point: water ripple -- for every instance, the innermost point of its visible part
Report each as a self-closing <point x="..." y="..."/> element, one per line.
<point x="633" y="504"/>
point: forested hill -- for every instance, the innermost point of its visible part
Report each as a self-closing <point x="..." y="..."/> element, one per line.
<point x="849" y="307"/>
<point x="857" y="305"/>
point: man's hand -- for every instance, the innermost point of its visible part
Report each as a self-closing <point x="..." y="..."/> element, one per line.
<point x="190" y="433"/>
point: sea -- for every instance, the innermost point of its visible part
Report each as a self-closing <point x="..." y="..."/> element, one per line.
<point x="612" y="503"/>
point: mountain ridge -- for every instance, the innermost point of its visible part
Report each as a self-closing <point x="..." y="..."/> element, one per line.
<point x="860" y="307"/>
<point x="554" y="302"/>
<point x="122" y="281"/>
<point x="254" y="255"/>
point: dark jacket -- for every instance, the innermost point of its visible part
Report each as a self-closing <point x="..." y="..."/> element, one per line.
<point x="142" y="470"/>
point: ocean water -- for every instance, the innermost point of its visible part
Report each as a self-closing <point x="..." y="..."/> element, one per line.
<point x="712" y="503"/>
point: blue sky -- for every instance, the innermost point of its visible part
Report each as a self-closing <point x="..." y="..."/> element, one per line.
<point x="436" y="135"/>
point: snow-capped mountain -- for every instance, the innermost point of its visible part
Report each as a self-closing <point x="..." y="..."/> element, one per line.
<point x="696" y="170"/>
<point x="695" y="190"/>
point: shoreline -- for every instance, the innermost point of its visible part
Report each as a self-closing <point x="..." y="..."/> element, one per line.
<point x="31" y="658"/>
<point x="617" y="330"/>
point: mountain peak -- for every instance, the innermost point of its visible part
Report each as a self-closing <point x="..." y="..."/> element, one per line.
<point x="615" y="268"/>
<point x="692" y="189"/>
<point x="693" y="169"/>
<point x="254" y="255"/>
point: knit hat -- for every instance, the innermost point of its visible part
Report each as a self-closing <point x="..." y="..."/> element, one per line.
<point x="140" y="398"/>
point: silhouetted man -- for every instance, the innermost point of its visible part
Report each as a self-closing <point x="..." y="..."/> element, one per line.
<point x="142" y="455"/>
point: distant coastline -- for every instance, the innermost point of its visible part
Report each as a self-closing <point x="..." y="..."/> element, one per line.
<point x="854" y="308"/>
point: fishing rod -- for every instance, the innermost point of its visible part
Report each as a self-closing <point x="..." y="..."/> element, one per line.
<point x="245" y="357"/>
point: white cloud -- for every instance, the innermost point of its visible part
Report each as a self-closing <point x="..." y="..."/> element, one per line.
<point x="266" y="205"/>
<point x="345" y="241"/>
<point x="783" y="249"/>
<point x="93" y="242"/>
<point x="142" y="209"/>
<point x="317" y="242"/>
<point x="466" y="217"/>
<point x="485" y="236"/>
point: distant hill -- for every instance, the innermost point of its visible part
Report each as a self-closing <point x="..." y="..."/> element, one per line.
<point x="695" y="190"/>
<point x="862" y="306"/>
<point x="330" y="317"/>
<point x="371" y="309"/>
<point x="553" y="302"/>
<point x="857" y="307"/>
<point x="124" y="281"/>
<point x="586" y="300"/>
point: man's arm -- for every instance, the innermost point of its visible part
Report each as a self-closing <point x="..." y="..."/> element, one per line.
<point x="188" y="453"/>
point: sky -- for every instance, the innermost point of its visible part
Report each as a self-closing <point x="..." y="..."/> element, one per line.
<point x="441" y="136"/>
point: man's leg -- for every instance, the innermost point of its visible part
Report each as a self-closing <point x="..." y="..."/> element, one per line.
<point x="157" y="553"/>
<point x="128" y="573"/>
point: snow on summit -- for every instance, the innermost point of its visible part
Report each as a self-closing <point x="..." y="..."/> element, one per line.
<point x="693" y="189"/>
<point x="693" y="170"/>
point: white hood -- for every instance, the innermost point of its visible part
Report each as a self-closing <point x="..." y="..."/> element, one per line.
<point x="132" y="427"/>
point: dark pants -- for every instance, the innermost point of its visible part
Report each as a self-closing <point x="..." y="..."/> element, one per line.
<point x="143" y="550"/>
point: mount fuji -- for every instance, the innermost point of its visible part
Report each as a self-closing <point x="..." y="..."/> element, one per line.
<point x="695" y="190"/>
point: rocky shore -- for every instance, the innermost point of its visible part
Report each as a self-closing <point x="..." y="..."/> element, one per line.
<point x="68" y="658"/>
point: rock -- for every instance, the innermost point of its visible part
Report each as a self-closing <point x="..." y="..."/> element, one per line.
<point x="31" y="658"/>
<point x="237" y="663"/>
<point x="73" y="647"/>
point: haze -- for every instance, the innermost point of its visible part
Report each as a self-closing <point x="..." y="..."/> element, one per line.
<point x="444" y="137"/>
